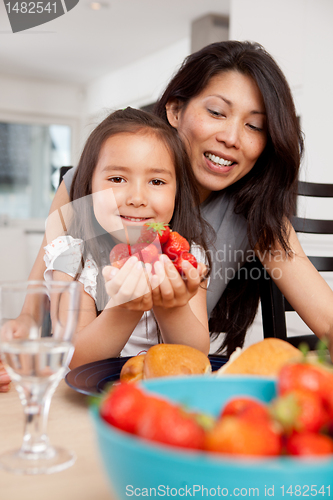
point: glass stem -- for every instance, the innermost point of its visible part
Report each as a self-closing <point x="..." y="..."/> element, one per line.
<point x="36" y="409"/>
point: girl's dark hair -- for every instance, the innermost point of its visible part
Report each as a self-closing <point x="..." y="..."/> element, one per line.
<point x="186" y="218"/>
<point x="266" y="196"/>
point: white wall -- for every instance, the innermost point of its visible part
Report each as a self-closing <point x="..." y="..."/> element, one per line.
<point x="23" y="95"/>
<point x="137" y="84"/>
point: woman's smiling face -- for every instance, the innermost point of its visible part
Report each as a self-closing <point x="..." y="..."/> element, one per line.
<point x="223" y="129"/>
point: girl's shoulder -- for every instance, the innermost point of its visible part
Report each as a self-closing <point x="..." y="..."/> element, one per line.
<point x="65" y="254"/>
<point x="62" y="244"/>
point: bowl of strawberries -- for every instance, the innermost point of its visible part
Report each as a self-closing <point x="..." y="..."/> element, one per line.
<point x="229" y="436"/>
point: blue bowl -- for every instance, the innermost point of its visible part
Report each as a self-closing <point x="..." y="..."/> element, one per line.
<point x="138" y="468"/>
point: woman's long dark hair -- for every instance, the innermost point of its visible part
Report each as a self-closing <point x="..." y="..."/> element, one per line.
<point x="186" y="218"/>
<point x="266" y="196"/>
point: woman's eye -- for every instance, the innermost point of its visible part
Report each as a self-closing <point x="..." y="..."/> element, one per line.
<point x="214" y="112"/>
<point x="116" y="180"/>
<point x="255" y="128"/>
<point x="157" y="182"/>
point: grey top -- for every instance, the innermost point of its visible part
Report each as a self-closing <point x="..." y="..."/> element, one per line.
<point x="230" y="248"/>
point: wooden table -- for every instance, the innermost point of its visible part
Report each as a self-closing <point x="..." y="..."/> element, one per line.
<point x="69" y="426"/>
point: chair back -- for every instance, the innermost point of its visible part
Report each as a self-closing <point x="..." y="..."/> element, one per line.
<point x="273" y="303"/>
<point x="62" y="172"/>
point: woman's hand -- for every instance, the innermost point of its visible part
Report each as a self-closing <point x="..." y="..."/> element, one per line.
<point x="129" y="287"/>
<point x="169" y="289"/>
<point x="4" y="379"/>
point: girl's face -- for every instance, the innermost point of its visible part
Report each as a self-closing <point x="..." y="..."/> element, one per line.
<point x="134" y="182"/>
<point x="223" y="129"/>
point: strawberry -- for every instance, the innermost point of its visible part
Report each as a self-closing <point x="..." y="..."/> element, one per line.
<point x="146" y="253"/>
<point x="300" y="410"/>
<point x="151" y="230"/>
<point x="185" y="256"/>
<point x="245" y="407"/>
<point x="309" y="443"/>
<point x="120" y="254"/>
<point x="242" y="436"/>
<point x="313" y="377"/>
<point x="175" y="246"/>
<point x="122" y="406"/>
<point x="167" y="423"/>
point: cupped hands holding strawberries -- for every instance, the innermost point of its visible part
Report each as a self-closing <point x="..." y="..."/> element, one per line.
<point x="157" y="270"/>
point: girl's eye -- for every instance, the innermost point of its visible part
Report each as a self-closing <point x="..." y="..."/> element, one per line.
<point x="157" y="182"/>
<point x="116" y="180"/>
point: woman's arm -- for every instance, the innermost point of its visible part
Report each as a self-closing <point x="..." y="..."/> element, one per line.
<point x="61" y="198"/>
<point x="303" y="286"/>
<point x="31" y="304"/>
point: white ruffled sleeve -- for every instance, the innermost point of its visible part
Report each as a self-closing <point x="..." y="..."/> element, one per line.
<point x="65" y="254"/>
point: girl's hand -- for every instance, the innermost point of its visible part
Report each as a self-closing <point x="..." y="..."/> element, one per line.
<point x="169" y="289"/>
<point x="129" y="286"/>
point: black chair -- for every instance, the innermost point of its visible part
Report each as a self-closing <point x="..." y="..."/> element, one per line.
<point x="273" y="303"/>
<point x="62" y="172"/>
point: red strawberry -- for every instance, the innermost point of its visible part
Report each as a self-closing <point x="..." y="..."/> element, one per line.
<point x="309" y="443"/>
<point x="152" y="229"/>
<point x="122" y="406"/>
<point x="300" y="410"/>
<point x="185" y="256"/>
<point x="167" y="423"/>
<point x="175" y="246"/>
<point x="145" y="253"/>
<point x="245" y="407"/>
<point x="120" y="254"/>
<point x="312" y="377"/>
<point x="243" y="437"/>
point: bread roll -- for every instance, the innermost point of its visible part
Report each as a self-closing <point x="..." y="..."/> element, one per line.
<point x="163" y="360"/>
<point x="263" y="358"/>
<point x="132" y="370"/>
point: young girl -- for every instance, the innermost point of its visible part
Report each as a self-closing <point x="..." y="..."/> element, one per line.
<point x="133" y="170"/>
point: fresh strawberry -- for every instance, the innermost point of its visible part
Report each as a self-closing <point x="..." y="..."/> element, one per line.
<point x="306" y="375"/>
<point x="145" y="253"/>
<point x="175" y="246"/>
<point x="300" y="410"/>
<point x="167" y="423"/>
<point x="185" y="256"/>
<point x="151" y="230"/>
<point x="240" y="436"/>
<point x="120" y="254"/>
<point x="245" y="407"/>
<point x="309" y="443"/>
<point x="122" y="406"/>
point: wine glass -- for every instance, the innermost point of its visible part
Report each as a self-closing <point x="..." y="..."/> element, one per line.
<point x="36" y="347"/>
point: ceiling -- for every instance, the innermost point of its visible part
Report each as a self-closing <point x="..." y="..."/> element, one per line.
<point x="85" y="44"/>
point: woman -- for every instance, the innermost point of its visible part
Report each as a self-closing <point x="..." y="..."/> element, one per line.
<point x="233" y="109"/>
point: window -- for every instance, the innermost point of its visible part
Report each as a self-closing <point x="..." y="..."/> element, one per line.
<point x="30" y="158"/>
